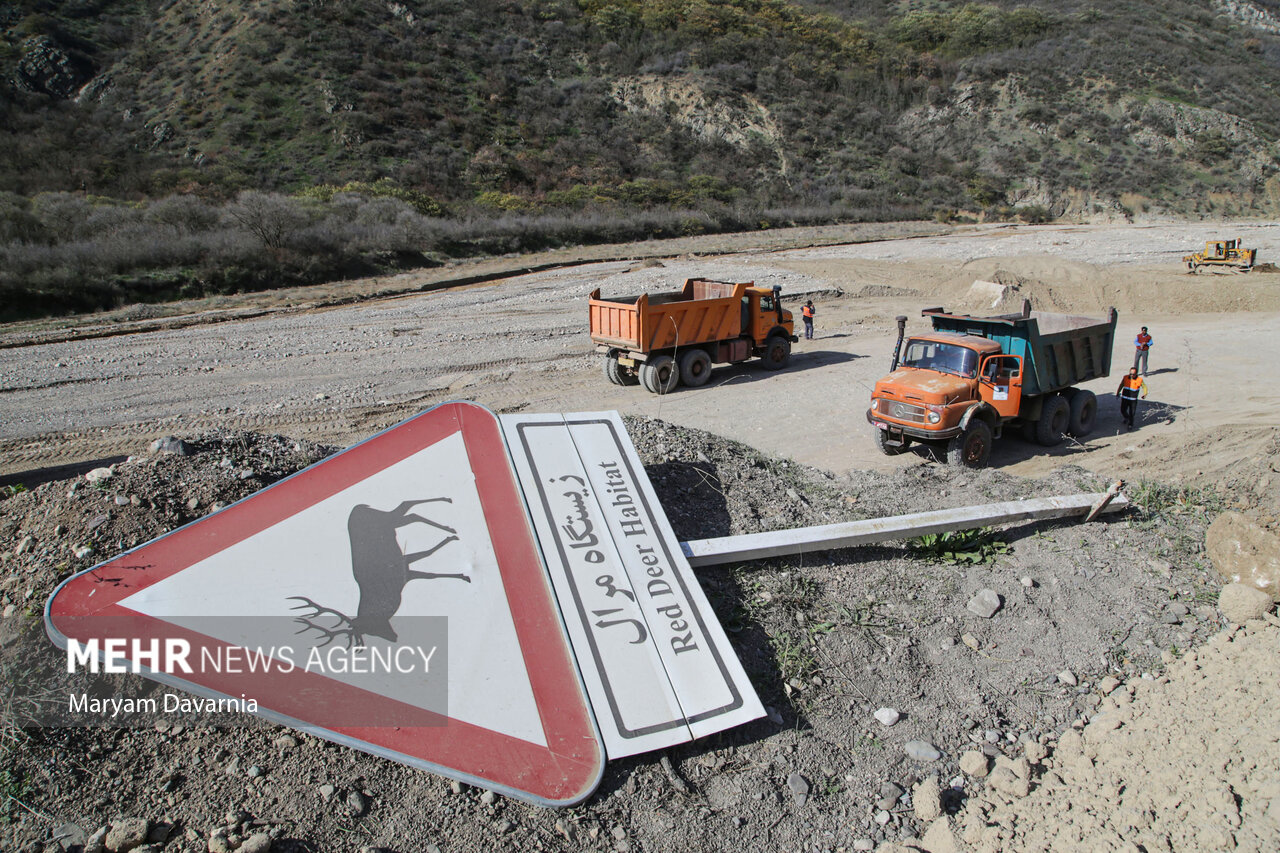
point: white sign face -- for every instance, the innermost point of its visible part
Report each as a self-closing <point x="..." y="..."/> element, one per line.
<point x="656" y="663"/>
<point x="233" y="594"/>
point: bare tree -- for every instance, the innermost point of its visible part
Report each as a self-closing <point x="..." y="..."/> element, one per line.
<point x="271" y="217"/>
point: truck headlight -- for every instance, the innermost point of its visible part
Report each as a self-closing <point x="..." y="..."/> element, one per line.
<point x="934" y="417"/>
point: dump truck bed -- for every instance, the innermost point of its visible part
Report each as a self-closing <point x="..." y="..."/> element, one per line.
<point x="703" y="311"/>
<point x="1059" y="350"/>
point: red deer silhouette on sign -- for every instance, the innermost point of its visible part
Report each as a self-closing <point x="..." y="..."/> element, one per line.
<point x="381" y="570"/>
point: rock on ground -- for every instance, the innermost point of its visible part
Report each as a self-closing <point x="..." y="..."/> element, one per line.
<point x="1244" y="552"/>
<point x="1240" y="603"/>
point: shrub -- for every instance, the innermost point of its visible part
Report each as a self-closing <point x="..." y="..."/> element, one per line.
<point x="185" y="213"/>
<point x="18" y="224"/>
<point x="1035" y="214"/>
<point x="1212" y="147"/>
<point x="271" y="217"/>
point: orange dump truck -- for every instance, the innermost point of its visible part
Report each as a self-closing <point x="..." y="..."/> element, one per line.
<point x="662" y="339"/>
<point x="958" y="386"/>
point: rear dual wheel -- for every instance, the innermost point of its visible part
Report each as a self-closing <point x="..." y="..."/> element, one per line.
<point x="1082" y="413"/>
<point x="616" y="373"/>
<point x="660" y="375"/>
<point x="695" y="368"/>
<point x="1055" y="417"/>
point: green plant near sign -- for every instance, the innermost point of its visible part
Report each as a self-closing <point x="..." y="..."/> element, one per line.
<point x="961" y="547"/>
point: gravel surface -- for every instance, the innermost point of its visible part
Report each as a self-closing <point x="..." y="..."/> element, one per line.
<point x="338" y="374"/>
<point x="828" y="640"/>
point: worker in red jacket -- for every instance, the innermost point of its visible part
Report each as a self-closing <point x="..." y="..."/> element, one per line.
<point x="1141" y="344"/>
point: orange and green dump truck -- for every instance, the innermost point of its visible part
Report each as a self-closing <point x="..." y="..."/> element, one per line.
<point x="958" y="386"/>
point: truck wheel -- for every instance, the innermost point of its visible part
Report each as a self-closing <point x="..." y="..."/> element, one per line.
<point x="1083" y="413"/>
<point x="971" y="448"/>
<point x="659" y="375"/>
<point x="882" y="438"/>
<point x="616" y="373"/>
<point x="777" y="352"/>
<point x="1055" y="416"/>
<point x="695" y="368"/>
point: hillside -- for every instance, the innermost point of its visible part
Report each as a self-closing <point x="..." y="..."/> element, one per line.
<point x="616" y="119"/>
<point x="556" y="101"/>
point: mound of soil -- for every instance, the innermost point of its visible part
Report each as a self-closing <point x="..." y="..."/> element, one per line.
<point x="828" y="639"/>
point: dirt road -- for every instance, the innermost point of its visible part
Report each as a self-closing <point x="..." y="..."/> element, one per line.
<point x="340" y="374"/>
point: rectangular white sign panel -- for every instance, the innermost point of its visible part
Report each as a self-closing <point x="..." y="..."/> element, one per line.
<point x="657" y="665"/>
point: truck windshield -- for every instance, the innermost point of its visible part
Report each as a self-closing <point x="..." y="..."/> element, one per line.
<point x="944" y="358"/>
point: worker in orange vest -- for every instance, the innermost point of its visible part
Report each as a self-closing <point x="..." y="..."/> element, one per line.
<point x="1141" y="344"/>
<point x="1128" y="394"/>
<point x="808" y="311"/>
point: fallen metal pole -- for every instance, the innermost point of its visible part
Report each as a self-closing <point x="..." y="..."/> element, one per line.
<point x="826" y="537"/>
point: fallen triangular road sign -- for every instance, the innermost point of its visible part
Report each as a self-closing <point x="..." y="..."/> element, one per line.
<point x="311" y="598"/>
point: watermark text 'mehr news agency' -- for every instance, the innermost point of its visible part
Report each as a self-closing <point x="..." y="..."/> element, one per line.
<point x="175" y="656"/>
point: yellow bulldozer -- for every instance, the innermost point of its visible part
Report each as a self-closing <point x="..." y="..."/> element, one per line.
<point x="1228" y="254"/>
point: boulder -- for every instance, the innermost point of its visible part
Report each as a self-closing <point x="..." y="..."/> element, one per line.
<point x="1244" y="553"/>
<point x="1240" y="603"/>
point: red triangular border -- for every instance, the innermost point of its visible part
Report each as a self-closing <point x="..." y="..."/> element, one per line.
<point x="87" y="606"/>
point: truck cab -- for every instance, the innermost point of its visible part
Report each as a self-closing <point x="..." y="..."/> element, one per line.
<point x="939" y="377"/>
<point x="763" y="315"/>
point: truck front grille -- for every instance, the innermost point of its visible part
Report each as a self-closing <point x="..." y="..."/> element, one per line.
<point x="900" y="411"/>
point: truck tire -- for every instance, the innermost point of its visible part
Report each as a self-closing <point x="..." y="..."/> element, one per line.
<point x="695" y="368"/>
<point x="1083" y="413"/>
<point x="882" y="436"/>
<point x="971" y="448"/>
<point x="616" y="373"/>
<point x="659" y="375"/>
<point x="777" y="352"/>
<point x="1055" y="416"/>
